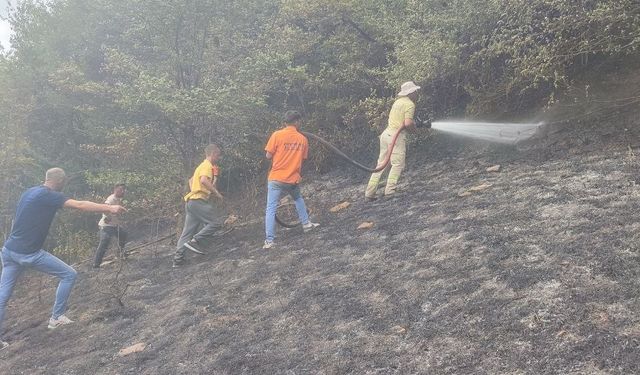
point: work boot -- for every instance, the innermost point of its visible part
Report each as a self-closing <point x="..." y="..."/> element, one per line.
<point x="391" y="196"/>
<point x="194" y="246"/>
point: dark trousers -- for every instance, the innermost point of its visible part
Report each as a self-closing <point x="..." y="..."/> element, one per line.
<point x="106" y="234"/>
<point x="202" y="221"/>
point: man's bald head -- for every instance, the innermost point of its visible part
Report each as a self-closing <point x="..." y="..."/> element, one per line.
<point x="55" y="178"/>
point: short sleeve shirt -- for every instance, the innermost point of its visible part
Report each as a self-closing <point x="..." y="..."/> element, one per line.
<point x="403" y="108"/>
<point x="197" y="190"/>
<point x="289" y="148"/>
<point x="111" y="220"/>
<point x="35" y="212"/>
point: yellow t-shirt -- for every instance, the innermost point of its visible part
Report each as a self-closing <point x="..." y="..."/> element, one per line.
<point x="197" y="190"/>
<point x="403" y="108"/>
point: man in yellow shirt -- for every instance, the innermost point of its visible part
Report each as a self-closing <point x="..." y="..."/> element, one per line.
<point x="400" y="117"/>
<point x="198" y="210"/>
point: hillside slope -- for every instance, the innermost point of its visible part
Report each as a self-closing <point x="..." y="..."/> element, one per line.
<point x="536" y="273"/>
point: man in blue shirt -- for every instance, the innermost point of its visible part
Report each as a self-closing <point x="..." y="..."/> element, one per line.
<point x="23" y="248"/>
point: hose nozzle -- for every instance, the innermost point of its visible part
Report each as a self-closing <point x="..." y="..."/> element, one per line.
<point x="420" y="123"/>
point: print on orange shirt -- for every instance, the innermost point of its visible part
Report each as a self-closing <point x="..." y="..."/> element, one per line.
<point x="289" y="149"/>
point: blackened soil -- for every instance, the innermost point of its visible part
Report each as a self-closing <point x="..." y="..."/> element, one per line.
<point x="536" y="274"/>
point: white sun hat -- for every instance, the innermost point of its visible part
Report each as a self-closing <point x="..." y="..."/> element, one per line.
<point x="407" y="88"/>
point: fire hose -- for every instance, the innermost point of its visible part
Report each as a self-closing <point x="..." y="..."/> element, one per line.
<point x="380" y="167"/>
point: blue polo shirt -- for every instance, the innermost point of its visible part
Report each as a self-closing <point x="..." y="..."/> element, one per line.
<point x="34" y="214"/>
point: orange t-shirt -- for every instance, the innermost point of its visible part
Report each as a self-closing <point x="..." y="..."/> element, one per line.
<point x="289" y="148"/>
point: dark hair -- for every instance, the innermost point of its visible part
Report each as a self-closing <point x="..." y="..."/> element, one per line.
<point x="292" y="116"/>
<point x="119" y="185"/>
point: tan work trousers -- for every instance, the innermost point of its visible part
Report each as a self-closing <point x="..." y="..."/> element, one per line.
<point x="397" y="163"/>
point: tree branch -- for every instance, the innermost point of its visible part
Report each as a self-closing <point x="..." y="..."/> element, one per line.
<point x="365" y="35"/>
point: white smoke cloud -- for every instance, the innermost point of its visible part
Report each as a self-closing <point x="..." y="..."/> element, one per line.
<point x="5" y="34"/>
<point x="5" y="27"/>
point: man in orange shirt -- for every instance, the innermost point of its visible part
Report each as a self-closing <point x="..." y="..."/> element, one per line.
<point x="287" y="149"/>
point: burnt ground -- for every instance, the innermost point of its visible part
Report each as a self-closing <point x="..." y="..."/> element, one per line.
<point x="536" y="274"/>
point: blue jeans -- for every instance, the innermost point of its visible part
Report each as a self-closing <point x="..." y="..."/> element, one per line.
<point x="274" y="192"/>
<point x="14" y="263"/>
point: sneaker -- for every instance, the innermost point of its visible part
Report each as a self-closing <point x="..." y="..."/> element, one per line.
<point x="309" y="226"/>
<point x="268" y="244"/>
<point x="178" y="261"/>
<point x="62" y="320"/>
<point x="195" y="247"/>
<point x="3" y="344"/>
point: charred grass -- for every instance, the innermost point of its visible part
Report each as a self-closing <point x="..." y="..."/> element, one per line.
<point x="537" y="274"/>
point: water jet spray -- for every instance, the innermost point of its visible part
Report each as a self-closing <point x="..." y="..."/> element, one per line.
<point x="505" y="132"/>
<point x="509" y="133"/>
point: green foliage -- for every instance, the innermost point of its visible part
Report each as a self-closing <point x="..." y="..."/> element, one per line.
<point x="71" y="240"/>
<point x="116" y="90"/>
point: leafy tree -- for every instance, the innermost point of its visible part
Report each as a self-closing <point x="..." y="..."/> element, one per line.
<point x="115" y="90"/>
